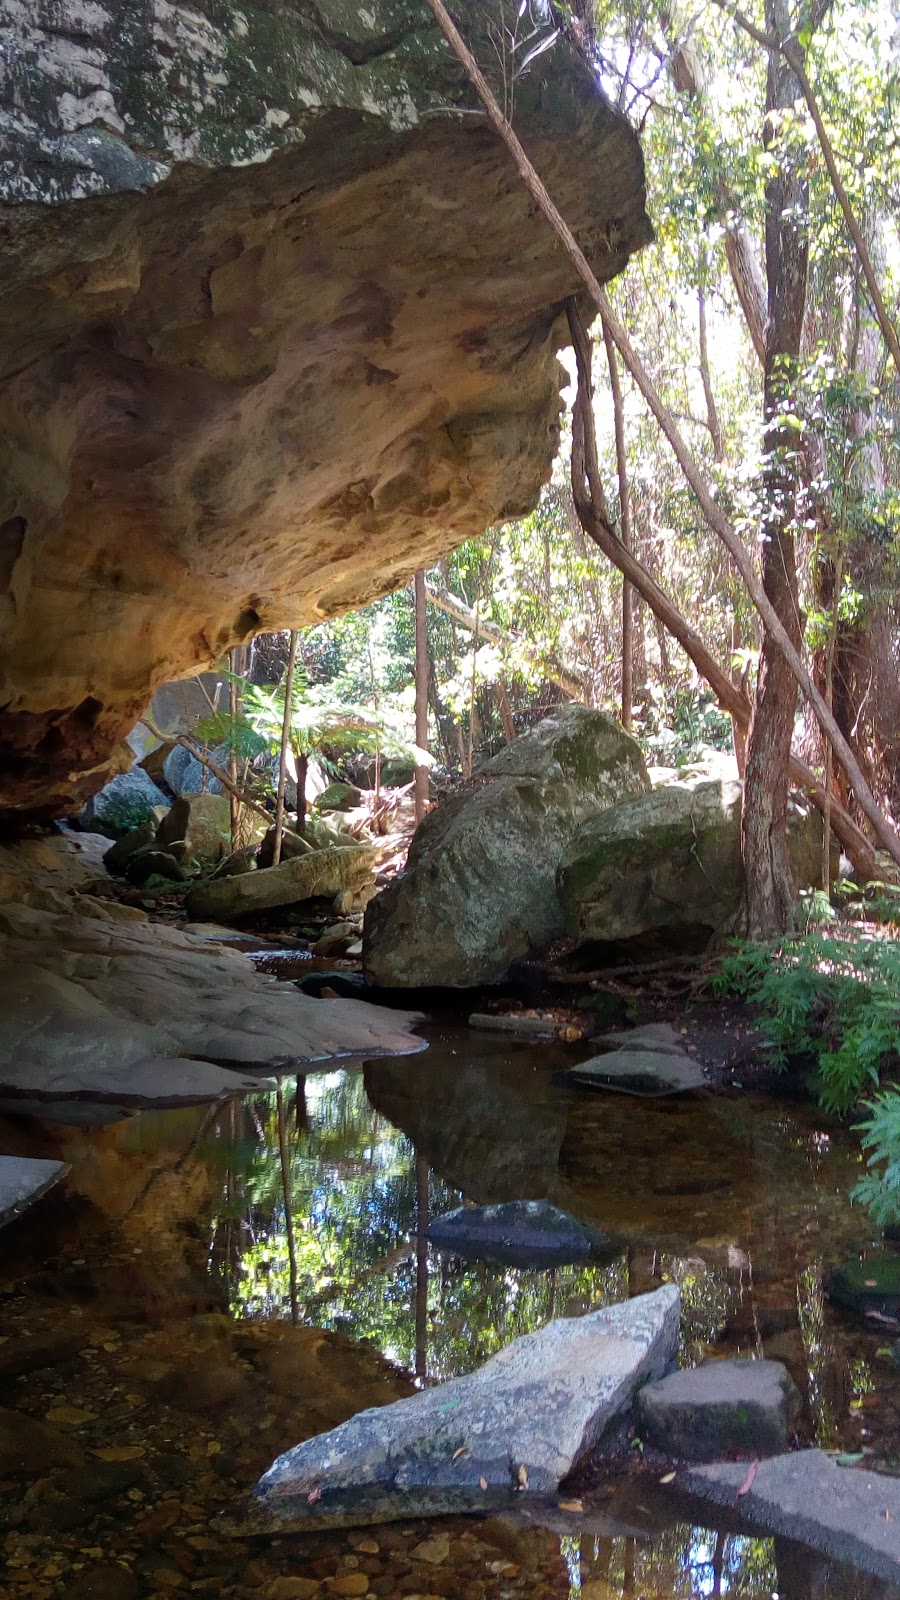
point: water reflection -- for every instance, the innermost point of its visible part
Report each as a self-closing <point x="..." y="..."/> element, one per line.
<point x="170" y="1252"/>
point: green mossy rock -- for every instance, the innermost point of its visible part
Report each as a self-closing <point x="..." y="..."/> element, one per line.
<point x="669" y="861"/>
<point x="479" y="889"/>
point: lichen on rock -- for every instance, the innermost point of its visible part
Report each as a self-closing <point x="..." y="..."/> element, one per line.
<point x="278" y="327"/>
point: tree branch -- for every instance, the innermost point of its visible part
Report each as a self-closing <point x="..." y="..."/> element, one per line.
<point x="571" y="682"/>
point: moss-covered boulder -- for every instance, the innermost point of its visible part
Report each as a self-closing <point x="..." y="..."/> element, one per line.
<point x="670" y="862"/>
<point x="479" y="889"/>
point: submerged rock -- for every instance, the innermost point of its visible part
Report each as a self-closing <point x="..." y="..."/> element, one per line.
<point x="479" y="889"/>
<point x="519" y="1233"/>
<point x="670" y="862"/>
<point x="720" y="1409"/>
<point x="318" y="872"/>
<point x="843" y="1511"/>
<point x="517" y="1425"/>
<point x="870" y="1285"/>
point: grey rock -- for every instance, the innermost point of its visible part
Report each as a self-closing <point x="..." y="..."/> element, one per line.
<point x="90" y="1008"/>
<point x="520" y="1423"/>
<point x="644" y="1071"/>
<point x="845" y="1512"/>
<point x="517" y="1233"/>
<point x="24" y="1179"/>
<point x="184" y="774"/>
<point x="124" y="803"/>
<point x="118" y="855"/>
<point x="320" y="872"/>
<point x="479" y="889"/>
<point x="720" y="1410"/>
<point x="668" y="861"/>
<point x="293" y="845"/>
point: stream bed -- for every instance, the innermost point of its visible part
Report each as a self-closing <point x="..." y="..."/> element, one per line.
<point x="159" y="1352"/>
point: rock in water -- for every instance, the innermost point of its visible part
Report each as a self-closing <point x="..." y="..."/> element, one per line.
<point x="640" y="1071"/>
<point x="519" y="1233"/>
<point x="24" y="1179"/>
<point x="197" y="179"/>
<point x="479" y="889"/>
<point x="520" y="1423"/>
<point x="870" y="1285"/>
<point x="847" y="1513"/>
<point x="669" y="861"/>
<point x="720" y="1409"/>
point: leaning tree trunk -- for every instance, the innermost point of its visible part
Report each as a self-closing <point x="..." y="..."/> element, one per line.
<point x="769" y="884"/>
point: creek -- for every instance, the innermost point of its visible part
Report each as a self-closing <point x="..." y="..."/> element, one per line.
<point x="148" y="1306"/>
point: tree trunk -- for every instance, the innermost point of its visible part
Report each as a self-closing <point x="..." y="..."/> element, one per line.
<point x="769" y="883"/>
<point x="421" y="604"/>
<point x="302" y="764"/>
<point x="505" y="710"/>
<point x="624" y="528"/>
<point x="285" y="746"/>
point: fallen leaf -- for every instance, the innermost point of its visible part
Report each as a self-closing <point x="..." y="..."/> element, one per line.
<point x="70" y="1415"/>
<point x="850" y="1458"/>
<point x="522" y="1476"/>
<point x="571" y="1505"/>
<point x="747" y="1484"/>
<point x="668" y="1477"/>
<point x="313" y="1496"/>
<point x="483" y="1482"/>
<point x="120" y="1452"/>
<point x="463" y="1450"/>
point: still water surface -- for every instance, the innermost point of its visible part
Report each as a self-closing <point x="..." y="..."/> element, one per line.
<point x="147" y="1318"/>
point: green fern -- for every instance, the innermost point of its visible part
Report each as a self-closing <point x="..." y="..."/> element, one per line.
<point x="879" y="1190"/>
<point x="835" y="999"/>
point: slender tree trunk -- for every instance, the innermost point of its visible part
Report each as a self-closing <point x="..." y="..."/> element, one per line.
<point x="712" y="414"/>
<point x="302" y="765"/>
<point x="285" y="747"/>
<point x="624" y="527"/>
<point x="284" y="1156"/>
<point x="769" y="882"/>
<point x="505" y="710"/>
<point x="421" y="605"/>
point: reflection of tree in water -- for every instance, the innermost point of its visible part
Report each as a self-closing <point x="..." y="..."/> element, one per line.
<point x="354" y="1189"/>
<point x="681" y="1562"/>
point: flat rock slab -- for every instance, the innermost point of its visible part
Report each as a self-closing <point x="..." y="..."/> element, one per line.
<point x="640" y="1071"/>
<point x="649" y="1036"/>
<point x="849" y="1514"/>
<point x="870" y="1285"/>
<point x="517" y="1233"/>
<point x="321" y="872"/>
<point x="516" y="1426"/>
<point x="721" y="1409"/>
<point x="24" y="1179"/>
<point x="137" y="1012"/>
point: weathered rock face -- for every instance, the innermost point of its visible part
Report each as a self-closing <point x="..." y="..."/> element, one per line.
<point x="277" y="327"/>
<point x="668" y="861"/>
<point x="479" y="889"/>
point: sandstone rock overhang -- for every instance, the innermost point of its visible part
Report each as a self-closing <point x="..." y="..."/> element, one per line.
<point x="278" y="326"/>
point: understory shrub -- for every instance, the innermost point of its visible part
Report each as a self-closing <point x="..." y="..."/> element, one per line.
<point x="834" y="998"/>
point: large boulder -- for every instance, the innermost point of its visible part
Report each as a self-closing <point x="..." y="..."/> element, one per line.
<point x="283" y="325"/>
<point x="198" y="828"/>
<point x="126" y="802"/>
<point x="479" y="890"/>
<point x="670" y="862"/>
<point x="516" y="1426"/>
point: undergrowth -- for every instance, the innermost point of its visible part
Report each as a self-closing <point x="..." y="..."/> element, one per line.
<point x="833" y="998"/>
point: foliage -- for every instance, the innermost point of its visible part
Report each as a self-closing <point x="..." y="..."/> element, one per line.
<point x="833" y="998"/>
<point x="879" y="1189"/>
